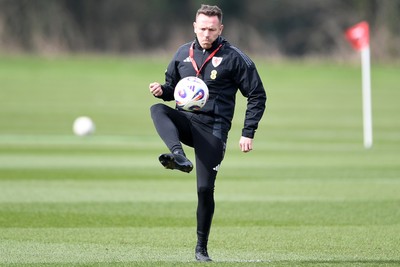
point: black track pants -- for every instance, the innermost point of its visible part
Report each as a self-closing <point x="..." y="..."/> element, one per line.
<point x="196" y="131"/>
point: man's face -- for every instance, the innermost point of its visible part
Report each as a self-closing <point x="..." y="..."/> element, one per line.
<point x="207" y="30"/>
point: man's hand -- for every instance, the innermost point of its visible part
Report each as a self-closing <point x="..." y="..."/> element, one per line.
<point x="155" y="89"/>
<point x="246" y="144"/>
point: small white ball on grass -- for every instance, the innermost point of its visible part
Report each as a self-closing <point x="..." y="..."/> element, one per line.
<point x="83" y="126"/>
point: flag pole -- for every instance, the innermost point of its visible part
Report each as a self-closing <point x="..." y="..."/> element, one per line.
<point x="366" y="96"/>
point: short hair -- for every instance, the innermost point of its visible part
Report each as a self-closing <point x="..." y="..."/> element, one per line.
<point x="210" y="11"/>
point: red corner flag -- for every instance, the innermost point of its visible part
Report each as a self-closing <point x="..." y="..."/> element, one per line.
<point x="358" y="35"/>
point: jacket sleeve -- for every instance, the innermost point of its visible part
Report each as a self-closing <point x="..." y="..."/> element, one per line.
<point x="251" y="86"/>
<point x="172" y="77"/>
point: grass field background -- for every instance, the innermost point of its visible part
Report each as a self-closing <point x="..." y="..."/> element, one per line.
<point x="308" y="194"/>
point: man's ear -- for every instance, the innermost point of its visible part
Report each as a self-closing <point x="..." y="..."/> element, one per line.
<point x="221" y="29"/>
<point x="194" y="27"/>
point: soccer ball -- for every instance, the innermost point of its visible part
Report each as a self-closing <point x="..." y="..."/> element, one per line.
<point x="191" y="93"/>
<point x="83" y="126"/>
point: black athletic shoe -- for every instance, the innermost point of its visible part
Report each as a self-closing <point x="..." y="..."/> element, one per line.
<point x="176" y="162"/>
<point x="201" y="254"/>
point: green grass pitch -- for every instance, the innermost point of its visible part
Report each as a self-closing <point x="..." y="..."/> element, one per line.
<point x="308" y="194"/>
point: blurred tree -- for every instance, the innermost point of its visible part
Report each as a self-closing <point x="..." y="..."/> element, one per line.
<point x="272" y="27"/>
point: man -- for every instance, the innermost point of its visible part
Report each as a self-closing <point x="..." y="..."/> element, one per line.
<point x="225" y="69"/>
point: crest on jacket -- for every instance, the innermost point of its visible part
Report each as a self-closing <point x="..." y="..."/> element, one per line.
<point x="216" y="61"/>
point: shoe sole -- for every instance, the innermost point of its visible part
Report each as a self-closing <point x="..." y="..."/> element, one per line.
<point x="168" y="161"/>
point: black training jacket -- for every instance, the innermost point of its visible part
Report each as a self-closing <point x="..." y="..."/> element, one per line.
<point x="229" y="70"/>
